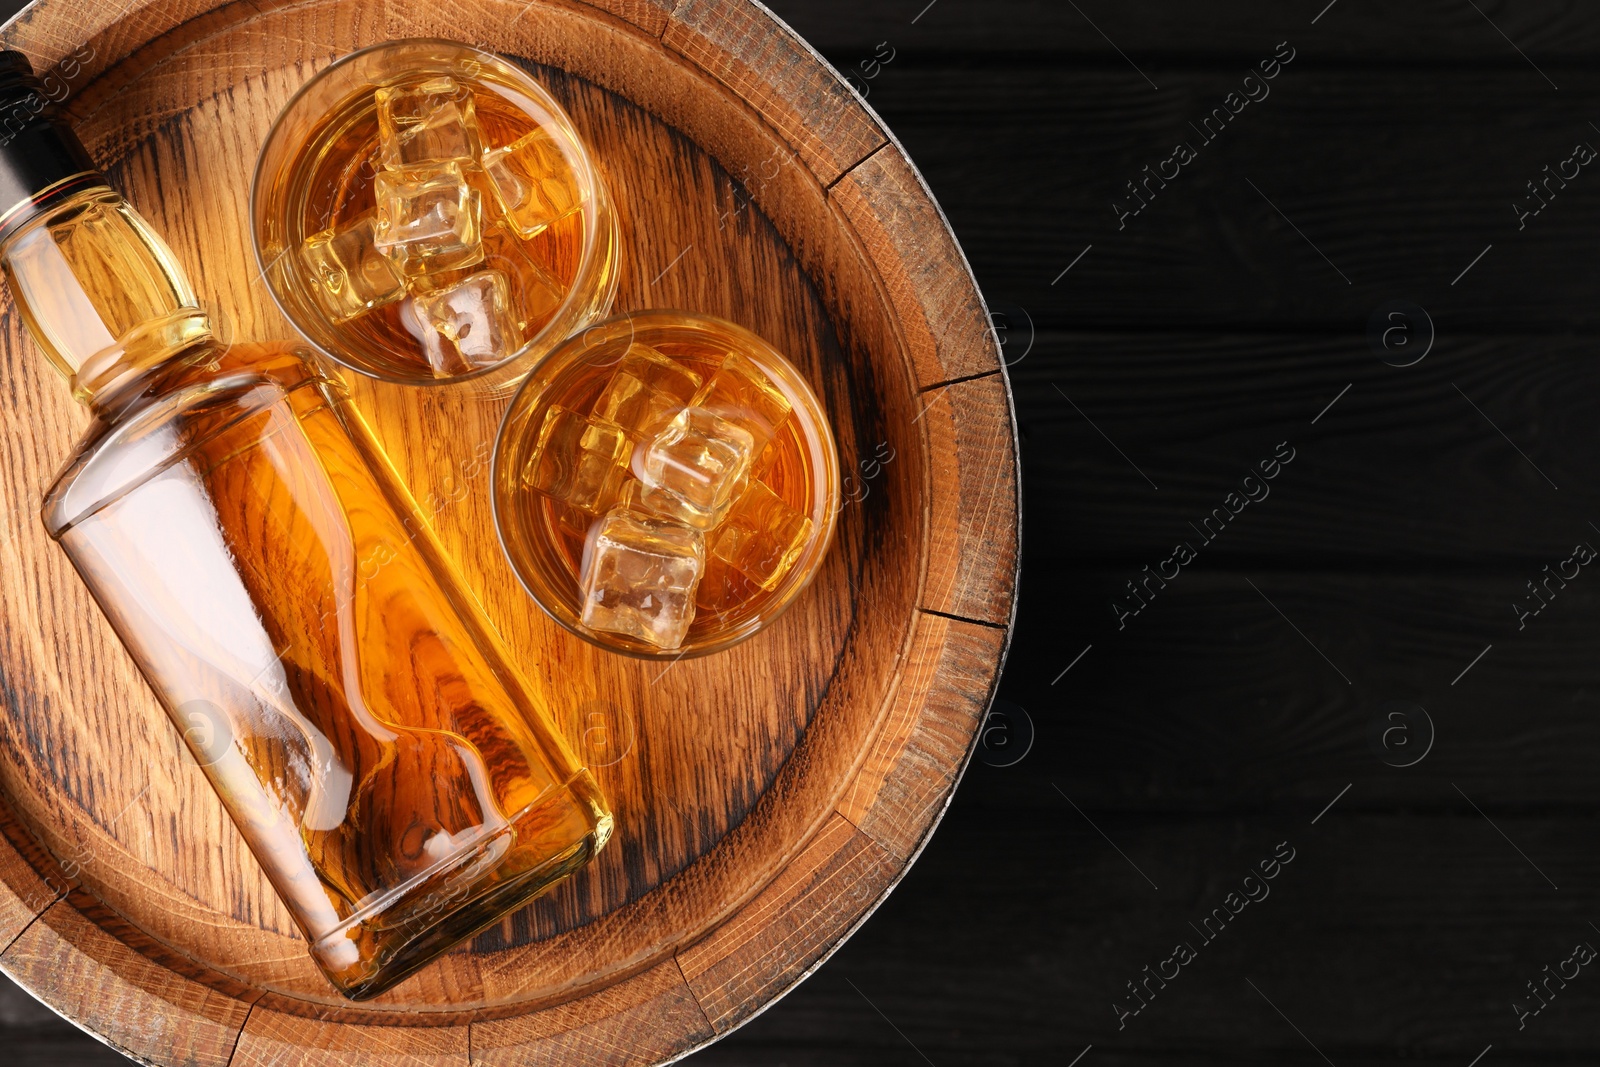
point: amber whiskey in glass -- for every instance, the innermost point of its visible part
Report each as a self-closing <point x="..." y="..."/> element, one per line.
<point x="253" y="548"/>
<point x="666" y="484"/>
<point x="426" y="213"/>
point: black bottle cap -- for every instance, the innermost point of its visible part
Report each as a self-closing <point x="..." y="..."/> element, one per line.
<point x="42" y="162"/>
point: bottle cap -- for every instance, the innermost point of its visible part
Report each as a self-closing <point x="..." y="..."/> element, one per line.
<point x="42" y="162"/>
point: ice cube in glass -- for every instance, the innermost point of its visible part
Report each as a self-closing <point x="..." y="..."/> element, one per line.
<point x="536" y="294"/>
<point x="428" y="219"/>
<point x="351" y="276"/>
<point x="694" y="467"/>
<point x="639" y="576"/>
<point x="646" y="390"/>
<point x="741" y="393"/>
<point x="445" y="361"/>
<point x="533" y="182"/>
<point x="428" y="123"/>
<point x="474" y="317"/>
<point x="579" y="460"/>
<point x="761" y="535"/>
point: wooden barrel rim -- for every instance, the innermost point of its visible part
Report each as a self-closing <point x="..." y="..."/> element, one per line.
<point x="87" y="963"/>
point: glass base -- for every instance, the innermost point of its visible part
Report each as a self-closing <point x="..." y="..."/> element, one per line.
<point x="381" y="948"/>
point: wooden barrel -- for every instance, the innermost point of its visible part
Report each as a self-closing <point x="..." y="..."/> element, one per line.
<point x="767" y="798"/>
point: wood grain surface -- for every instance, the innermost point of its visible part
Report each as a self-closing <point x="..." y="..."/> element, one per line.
<point x="735" y="866"/>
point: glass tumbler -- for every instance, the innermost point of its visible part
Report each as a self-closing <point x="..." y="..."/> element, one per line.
<point x="425" y="212"/>
<point x="665" y="484"/>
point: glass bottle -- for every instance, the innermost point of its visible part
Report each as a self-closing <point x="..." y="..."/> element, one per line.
<point x="256" y="553"/>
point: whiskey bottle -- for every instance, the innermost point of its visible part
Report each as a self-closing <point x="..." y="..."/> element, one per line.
<point x="257" y="555"/>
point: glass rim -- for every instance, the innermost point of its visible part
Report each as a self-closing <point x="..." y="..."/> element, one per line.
<point x="601" y="223"/>
<point x="827" y="448"/>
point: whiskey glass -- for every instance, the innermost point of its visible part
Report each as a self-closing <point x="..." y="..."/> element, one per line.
<point x="547" y="536"/>
<point x="337" y="211"/>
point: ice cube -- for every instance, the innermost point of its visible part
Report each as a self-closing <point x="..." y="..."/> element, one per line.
<point x="639" y="576"/>
<point x="536" y="294"/>
<point x="428" y="219"/>
<point x="433" y="122"/>
<point x="662" y="503"/>
<point x="666" y="504"/>
<point x="723" y="587"/>
<point x="760" y="536"/>
<point x="764" y="468"/>
<point x="534" y="182"/>
<point x="473" y="316"/>
<point x="351" y="276"/>
<point x="694" y="467"/>
<point x="646" y="390"/>
<point x="741" y="393"/>
<point x="573" y="524"/>
<point x="443" y="359"/>
<point x="579" y="460"/>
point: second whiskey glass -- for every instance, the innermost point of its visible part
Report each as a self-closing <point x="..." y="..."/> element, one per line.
<point x="599" y="471"/>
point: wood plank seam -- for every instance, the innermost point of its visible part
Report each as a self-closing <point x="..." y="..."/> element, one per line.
<point x="963" y="618"/>
<point x="803" y="928"/>
<point x="961" y="257"/>
<point x="977" y="503"/>
<point x="80" y="1016"/>
<point x="712" y="54"/>
<point x="931" y="289"/>
<point x="672" y="13"/>
<point x="711" y="1027"/>
<point x="844" y="83"/>
<point x="246" y="1022"/>
<point x="852" y="168"/>
<point x="964" y="378"/>
<point x="939" y="319"/>
<point x="29" y="925"/>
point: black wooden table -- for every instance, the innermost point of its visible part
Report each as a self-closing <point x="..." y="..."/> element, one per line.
<point x="1297" y="300"/>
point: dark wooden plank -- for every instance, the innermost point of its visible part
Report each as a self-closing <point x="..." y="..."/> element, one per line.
<point x="1163" y="32"/>
<point x="1402" y="472"/>
<point x="1210" y="700"/>
<point x="1058" y="922"/>
<point x="33" y="1034"/>
<point x="1386" y="940"/>
<point x="1400" y="177"/>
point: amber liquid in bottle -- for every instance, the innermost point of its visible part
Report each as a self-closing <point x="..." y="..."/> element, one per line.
<point x="254" y="550"/>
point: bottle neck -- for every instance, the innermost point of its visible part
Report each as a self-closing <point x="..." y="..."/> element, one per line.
<point x="103" y="296"/>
